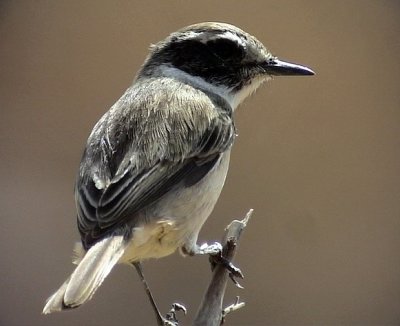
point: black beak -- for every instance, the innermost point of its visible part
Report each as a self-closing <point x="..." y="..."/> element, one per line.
<point x="277" y="67"/>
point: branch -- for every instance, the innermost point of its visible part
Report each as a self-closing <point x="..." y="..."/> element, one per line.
<point x="211" y="312"/>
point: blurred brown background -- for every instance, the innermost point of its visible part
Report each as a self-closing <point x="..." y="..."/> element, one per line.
<point x="317" y="158"/>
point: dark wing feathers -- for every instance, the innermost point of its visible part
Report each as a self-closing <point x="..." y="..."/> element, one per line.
<point x="134" y="156"/>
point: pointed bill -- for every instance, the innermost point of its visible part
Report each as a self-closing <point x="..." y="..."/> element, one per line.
<point x="276" y="67"/>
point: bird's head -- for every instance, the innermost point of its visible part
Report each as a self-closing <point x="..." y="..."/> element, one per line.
<point x="218" y="58"/>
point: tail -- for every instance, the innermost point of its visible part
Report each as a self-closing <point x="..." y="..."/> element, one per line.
<point x="88" y="275"/>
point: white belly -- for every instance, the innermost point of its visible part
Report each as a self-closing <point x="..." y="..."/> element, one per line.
<point x="178" y="217"/>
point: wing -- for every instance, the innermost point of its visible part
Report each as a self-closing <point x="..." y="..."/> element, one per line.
<point x="142" y="148"/>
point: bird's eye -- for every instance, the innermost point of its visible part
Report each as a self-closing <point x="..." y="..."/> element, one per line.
<point x="226" y="49"/>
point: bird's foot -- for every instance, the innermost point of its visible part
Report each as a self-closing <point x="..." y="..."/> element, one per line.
<point x="234" y="272"/>
<point x="216" y="257"/>
<point x="212" y="249"/>
<point x="171" y="319"/>
<point x="204" y="249"/>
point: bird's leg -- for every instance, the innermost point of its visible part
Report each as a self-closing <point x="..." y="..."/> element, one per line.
<point x="159" y="317"/>
<point x="161" y="321"/>
<point x="215" y="251"/>
<point x="192" y="249"/>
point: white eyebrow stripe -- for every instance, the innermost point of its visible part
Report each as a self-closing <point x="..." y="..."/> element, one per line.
<point x="190" y="35"/>
<point x="231" y="36"/>
<point x="201" y="36"/>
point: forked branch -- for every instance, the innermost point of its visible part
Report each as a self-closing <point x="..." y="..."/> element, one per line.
<point x="210" y="312"/>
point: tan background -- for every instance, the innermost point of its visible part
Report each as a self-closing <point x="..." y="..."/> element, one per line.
<point x="317" y="158"/>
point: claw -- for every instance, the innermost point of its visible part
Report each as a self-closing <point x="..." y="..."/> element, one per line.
<point x="237" y="284"/>
<point x="233" y="270"/>
<point x="178" y="307"/>
<point x="171" y="318"/>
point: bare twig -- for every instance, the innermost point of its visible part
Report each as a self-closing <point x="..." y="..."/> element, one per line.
<point x="211" y="312"/>
<point x="233" y="307"/>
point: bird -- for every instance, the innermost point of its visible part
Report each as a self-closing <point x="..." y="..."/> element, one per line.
<point x="155" y="163"/>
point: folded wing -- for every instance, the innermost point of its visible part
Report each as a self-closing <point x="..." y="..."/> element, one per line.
<point x="141" y="149"/>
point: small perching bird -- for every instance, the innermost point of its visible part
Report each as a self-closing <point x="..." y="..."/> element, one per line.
<point x="155" y="163"/>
